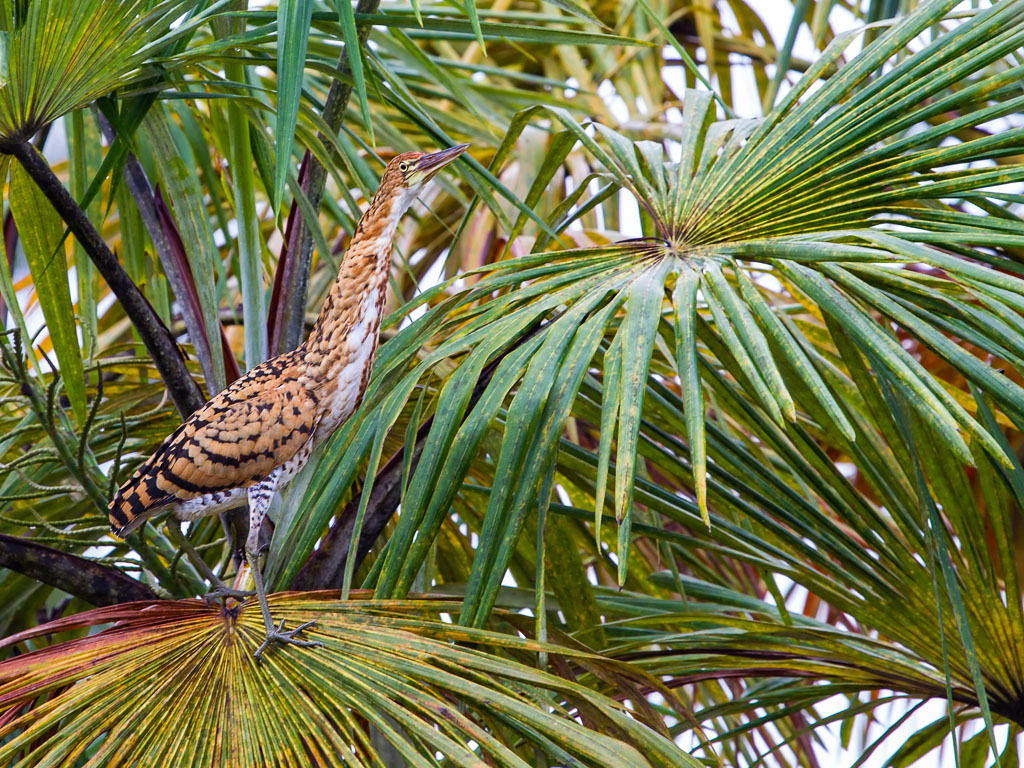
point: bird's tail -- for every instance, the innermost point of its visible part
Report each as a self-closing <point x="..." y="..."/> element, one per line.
<point x="122" y="519"/>
<point x="136" y="501"/>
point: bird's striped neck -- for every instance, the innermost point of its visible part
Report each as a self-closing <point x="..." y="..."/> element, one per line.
<point x="355" y="304"/>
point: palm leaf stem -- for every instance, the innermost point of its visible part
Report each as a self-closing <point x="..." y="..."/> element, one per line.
<point x="325" y="567"/>
<point x="155" y="335"/>
<point x="95" y="583"/>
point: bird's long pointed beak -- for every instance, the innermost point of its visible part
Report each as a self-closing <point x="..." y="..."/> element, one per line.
<point x="432" y="163"/>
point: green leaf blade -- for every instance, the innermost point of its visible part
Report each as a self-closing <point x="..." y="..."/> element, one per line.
<point x="41" y="233"/>
<point x="293" y="25"/>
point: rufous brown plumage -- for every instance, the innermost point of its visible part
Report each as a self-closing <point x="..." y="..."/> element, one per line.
<point x="248" y="441"/>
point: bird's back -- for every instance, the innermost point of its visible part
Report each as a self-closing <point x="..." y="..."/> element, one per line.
<point x="234" y="441"/>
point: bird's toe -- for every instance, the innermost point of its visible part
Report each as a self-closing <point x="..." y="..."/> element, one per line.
<point x="288" y="637"/>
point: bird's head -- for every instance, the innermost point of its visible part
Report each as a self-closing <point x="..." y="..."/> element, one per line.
<point x="409" y="172"/>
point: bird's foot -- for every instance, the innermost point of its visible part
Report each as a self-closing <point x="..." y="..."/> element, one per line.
<point x="224" y="591"/>
<point x="280" y="635"/>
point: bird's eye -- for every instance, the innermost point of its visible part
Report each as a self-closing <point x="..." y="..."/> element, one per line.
<point x="403" y="167"/>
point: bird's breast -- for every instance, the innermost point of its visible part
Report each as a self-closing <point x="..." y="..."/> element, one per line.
<point x="346" y="368"/>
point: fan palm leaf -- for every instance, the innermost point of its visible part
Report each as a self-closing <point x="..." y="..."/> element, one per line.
<point x="389" y="673"/>
<point x="62" y="55"/>
<point x="799" y="344"/>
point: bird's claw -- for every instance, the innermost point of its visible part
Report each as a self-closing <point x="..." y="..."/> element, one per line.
<point x="280" y="635"/>
<point x="224" y="591"/>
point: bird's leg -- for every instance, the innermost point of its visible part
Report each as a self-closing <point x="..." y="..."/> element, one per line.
<point x="279" y="633"/>
<point x="259" y="501"/>
<point x="178" y="537"/>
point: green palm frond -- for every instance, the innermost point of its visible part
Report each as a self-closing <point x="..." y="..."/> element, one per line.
<point x="62" y="55"/>
<point x="742" y="195"/>
<point x="779" y="406"/>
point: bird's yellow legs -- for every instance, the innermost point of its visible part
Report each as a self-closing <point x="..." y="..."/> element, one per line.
<point x="274" y="634"/>
<point x="260" y="496"/>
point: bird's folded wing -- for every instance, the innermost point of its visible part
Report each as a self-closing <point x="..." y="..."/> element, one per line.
<point x="234" y="441"/>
